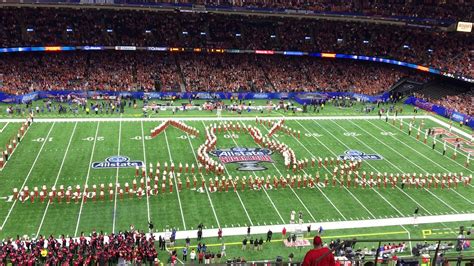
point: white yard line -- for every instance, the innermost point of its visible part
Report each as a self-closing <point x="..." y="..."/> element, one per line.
<point x="401" y="190"/>
<point x="434" y="119"/>
<point x="249" y="118"/>
<point x="292" y="190"/>
<point x="22" y="137"/>
<point x="358" y="201"/>
<point x="422" y="155"/>
<point x="264" y="190"/>
<point x="57" y="178"/>
<point x="87" y="179"/>
<point x="27" y="176"/>
<point x="446" y="125"/>
<point x="411" y="198"/>
<point x="395" y="166"/>
<point x="3" y="128"/>
<point x="449" y="146"/>
<point x="236" y="191"/>
<point x="380" y="195"/>
<point x="205" y="186"/>
<point x="175" y="183"/>
<point x="409" y="235"/>
<point x="146" y="176"/>
<point x="329" y="200"/>
<point x="116" y="178"/>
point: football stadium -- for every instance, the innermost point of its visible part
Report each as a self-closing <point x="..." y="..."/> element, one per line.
<point x="258" y="132"/>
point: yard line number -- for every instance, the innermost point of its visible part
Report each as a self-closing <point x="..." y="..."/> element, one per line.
<point x="93" y="138"/>
<point x="43" y="139"/>
<point x="351" y="134"/>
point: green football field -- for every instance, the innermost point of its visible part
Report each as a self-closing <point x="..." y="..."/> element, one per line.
<point x="61" y="153"/>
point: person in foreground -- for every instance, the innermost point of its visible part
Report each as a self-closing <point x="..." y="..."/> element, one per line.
<point x="319" y="255"/>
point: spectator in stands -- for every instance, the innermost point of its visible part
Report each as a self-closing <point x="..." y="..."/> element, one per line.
<point x="319" y="255"/>
<point x="448" y="51"/>
<point x="130" y="246"/>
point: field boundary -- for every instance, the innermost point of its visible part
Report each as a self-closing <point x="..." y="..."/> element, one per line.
<point x="236" y="231"/>
<point x="236" y="118"/>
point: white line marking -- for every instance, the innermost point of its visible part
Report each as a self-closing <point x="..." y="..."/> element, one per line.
<point x="388" y="202"/>
<point x="57" y="178"/>
<point x="423" y="155"/>
<point x="249" y="118"/>
<point x="264" y="190"/>
<point x="322" y="193"/>
<point x="27" y="176"/>
<point x="292" y="190"/>
<point x="175" y="183"/>
<point x="205" y="186"/>
<point x="367" y="162"/>
<point x="360" y="203"/>
<point x="237" y="192"/>
<point x="3" y="128"/>
<point x="369" y="223"/>
<point x="87" y="179"/>
<point x="370" y="148"/>
<point x="13" y="152"/>
<point x="146" y="176"/>
<point x="116" y="178"/>
<point x="395" y="166"/>
<point x="448" y="157"/>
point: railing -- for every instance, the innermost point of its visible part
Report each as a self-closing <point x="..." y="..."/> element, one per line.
<point x="437" y="247"/>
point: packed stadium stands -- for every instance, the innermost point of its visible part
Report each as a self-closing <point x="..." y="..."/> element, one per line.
<point x="138" y="71"/>
<point x="427" y="9"/>
<point x="98" y="248"/>
<point x="462" y="103"/>
<point x="448" y="51"/>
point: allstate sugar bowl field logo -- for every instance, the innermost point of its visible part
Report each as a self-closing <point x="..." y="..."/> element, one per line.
<point x="117" y="162"/>
<point x="248" y="158"/>
<point x="356" y="155"/>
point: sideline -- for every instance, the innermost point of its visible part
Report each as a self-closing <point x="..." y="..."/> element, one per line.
<point x="236" y="118"/>
<point x="236" y="231"/>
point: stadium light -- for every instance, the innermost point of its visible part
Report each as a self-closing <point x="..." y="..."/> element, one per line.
<point x="68" y="30"/>
<point x="109" y="30"/>
<point x="29" y="30"/>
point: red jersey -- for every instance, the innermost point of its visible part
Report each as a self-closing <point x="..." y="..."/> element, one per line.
<point x="311" y="258"/>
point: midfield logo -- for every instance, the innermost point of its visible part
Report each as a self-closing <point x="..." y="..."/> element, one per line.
<point x="248" y="158"/>
<point x="116" y="162"/>
<point x="356" y="155"/>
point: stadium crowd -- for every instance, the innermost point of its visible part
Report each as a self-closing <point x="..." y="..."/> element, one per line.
<point x="462" y="103"/>
<point x="448" y="51"/>
<point x="112" y="71"/>
<point x="142" y="71"/>
<point x="131" y="247"/>
<point x="453" y="10"/>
